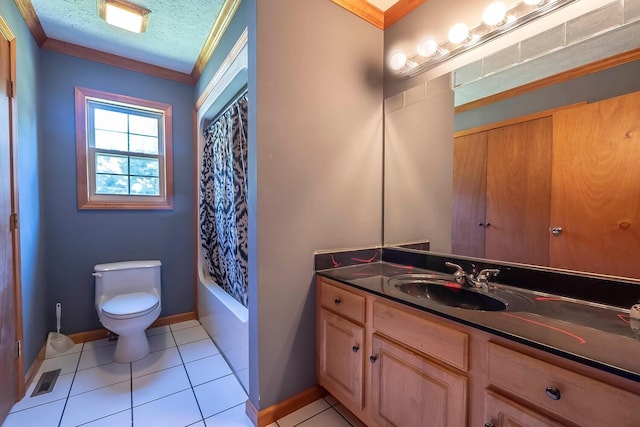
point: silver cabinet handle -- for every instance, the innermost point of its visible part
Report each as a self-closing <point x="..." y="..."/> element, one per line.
<point x="556" y="231"/>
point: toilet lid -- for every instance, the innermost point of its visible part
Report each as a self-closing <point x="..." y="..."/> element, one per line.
<point x="129" y="305"/>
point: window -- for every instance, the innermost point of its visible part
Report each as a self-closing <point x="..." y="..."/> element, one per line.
<point x="123" y="152"/>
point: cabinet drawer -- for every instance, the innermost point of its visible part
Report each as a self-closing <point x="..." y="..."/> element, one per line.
<point x="502" y="412"/>
<point x="443" y="343"/>
<point x="342" y="301"/>
<point x="579" y="399"/>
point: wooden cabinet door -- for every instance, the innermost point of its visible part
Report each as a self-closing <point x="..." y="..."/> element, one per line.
<point x="410" y="391"/>
<point x="469" y="188"/>
<point x="596" y="190"/>
<point x="502" y="412"/>
<point x="518" y="192"/>
<point x="340" y="357"/>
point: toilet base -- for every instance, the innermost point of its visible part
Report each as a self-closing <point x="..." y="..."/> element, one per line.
<point x="131" y="347"/>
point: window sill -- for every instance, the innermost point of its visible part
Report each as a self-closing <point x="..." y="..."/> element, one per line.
<point x="102" y="205"/>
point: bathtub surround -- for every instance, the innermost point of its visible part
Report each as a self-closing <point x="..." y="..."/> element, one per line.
<point x="227" y="323"/>
<point x="222" y="203"/>
<point x="224" y="318"/>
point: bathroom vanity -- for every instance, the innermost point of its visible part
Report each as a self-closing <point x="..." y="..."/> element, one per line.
<point x="398" y="355"/>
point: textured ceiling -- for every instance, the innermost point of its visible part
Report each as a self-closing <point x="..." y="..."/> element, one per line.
<point x="174" y="38"/>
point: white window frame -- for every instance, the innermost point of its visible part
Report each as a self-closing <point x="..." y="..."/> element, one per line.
<point x="85" y="153"/>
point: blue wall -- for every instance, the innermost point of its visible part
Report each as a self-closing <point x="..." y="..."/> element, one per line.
<point x="77" y="240"/>
<point x="30" y="184"/>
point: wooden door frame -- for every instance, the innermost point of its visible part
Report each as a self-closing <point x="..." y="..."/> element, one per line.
<point x="8" y="35"/>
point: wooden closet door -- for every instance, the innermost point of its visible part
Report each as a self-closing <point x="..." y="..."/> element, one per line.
<point x="518" y="192"/>
<point x="596" y="187"/>
<point x="469" y="187"/>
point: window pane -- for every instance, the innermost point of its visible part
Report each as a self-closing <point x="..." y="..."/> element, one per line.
<point x="145" y="167"/>
<point x="145" y="186"/>
<point x="143" y="125"/>
<point x="110" y="120"/>
<point x="143" y="144"/>
<point x="108" y="140"/>
<point x="112" y="184"/>
<point x="110" y="164"/>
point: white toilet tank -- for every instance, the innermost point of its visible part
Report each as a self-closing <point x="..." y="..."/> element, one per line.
<point x="118" y="278"/>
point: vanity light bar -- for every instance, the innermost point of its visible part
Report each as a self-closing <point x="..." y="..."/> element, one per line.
<point x="520" y="14"/>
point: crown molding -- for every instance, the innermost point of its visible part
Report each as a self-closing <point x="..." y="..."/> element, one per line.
<point x="31" y="19"/>
<point x="364" y="10"/>
<point x="116" y="60"/>
<point x="218" y="29"/>
<point x="376" y="17"/>
<point x="399" y="11"/>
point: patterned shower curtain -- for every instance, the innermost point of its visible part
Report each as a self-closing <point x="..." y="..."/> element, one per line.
<point x="223" y="200"/>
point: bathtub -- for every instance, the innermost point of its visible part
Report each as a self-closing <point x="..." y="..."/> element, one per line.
<point x="227" y="322"/>
<point x="224" y="318"/>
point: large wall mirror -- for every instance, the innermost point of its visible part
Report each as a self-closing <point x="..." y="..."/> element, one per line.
<point x="549" y="177"/>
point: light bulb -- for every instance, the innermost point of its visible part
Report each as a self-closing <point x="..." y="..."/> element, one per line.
<point x="428" y="47"/>
<point x="397" y="60"/>
<point x="458" y="33"/>
<point x="494" y="14"/>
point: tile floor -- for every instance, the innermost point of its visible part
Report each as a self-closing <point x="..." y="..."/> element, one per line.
<point x="184" y="381"/>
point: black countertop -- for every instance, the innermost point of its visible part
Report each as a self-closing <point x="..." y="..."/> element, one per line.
<point x="591" y="333"/>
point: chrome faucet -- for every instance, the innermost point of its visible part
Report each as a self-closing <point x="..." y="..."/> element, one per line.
<point x="471" y="279"/>
<point x="459" y="276"/>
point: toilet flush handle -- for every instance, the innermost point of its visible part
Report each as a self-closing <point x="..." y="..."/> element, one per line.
<point x="97" y="274"/>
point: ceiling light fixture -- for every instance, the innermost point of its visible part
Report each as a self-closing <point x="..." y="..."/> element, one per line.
<point x="125" y="15"/>
<point x="497" y="20"/>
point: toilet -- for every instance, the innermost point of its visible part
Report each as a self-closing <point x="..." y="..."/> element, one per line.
<point x="128" y="302"/>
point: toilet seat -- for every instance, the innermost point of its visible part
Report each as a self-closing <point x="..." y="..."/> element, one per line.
<point x="130" y="305"/>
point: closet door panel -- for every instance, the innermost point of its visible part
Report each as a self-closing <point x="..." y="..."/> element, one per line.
<point x="596" y="187"/>
<point x="469" y="187"/>
<point x="518" y="192"/>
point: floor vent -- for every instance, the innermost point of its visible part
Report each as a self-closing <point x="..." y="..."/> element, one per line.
<point x="46" y="382"/>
